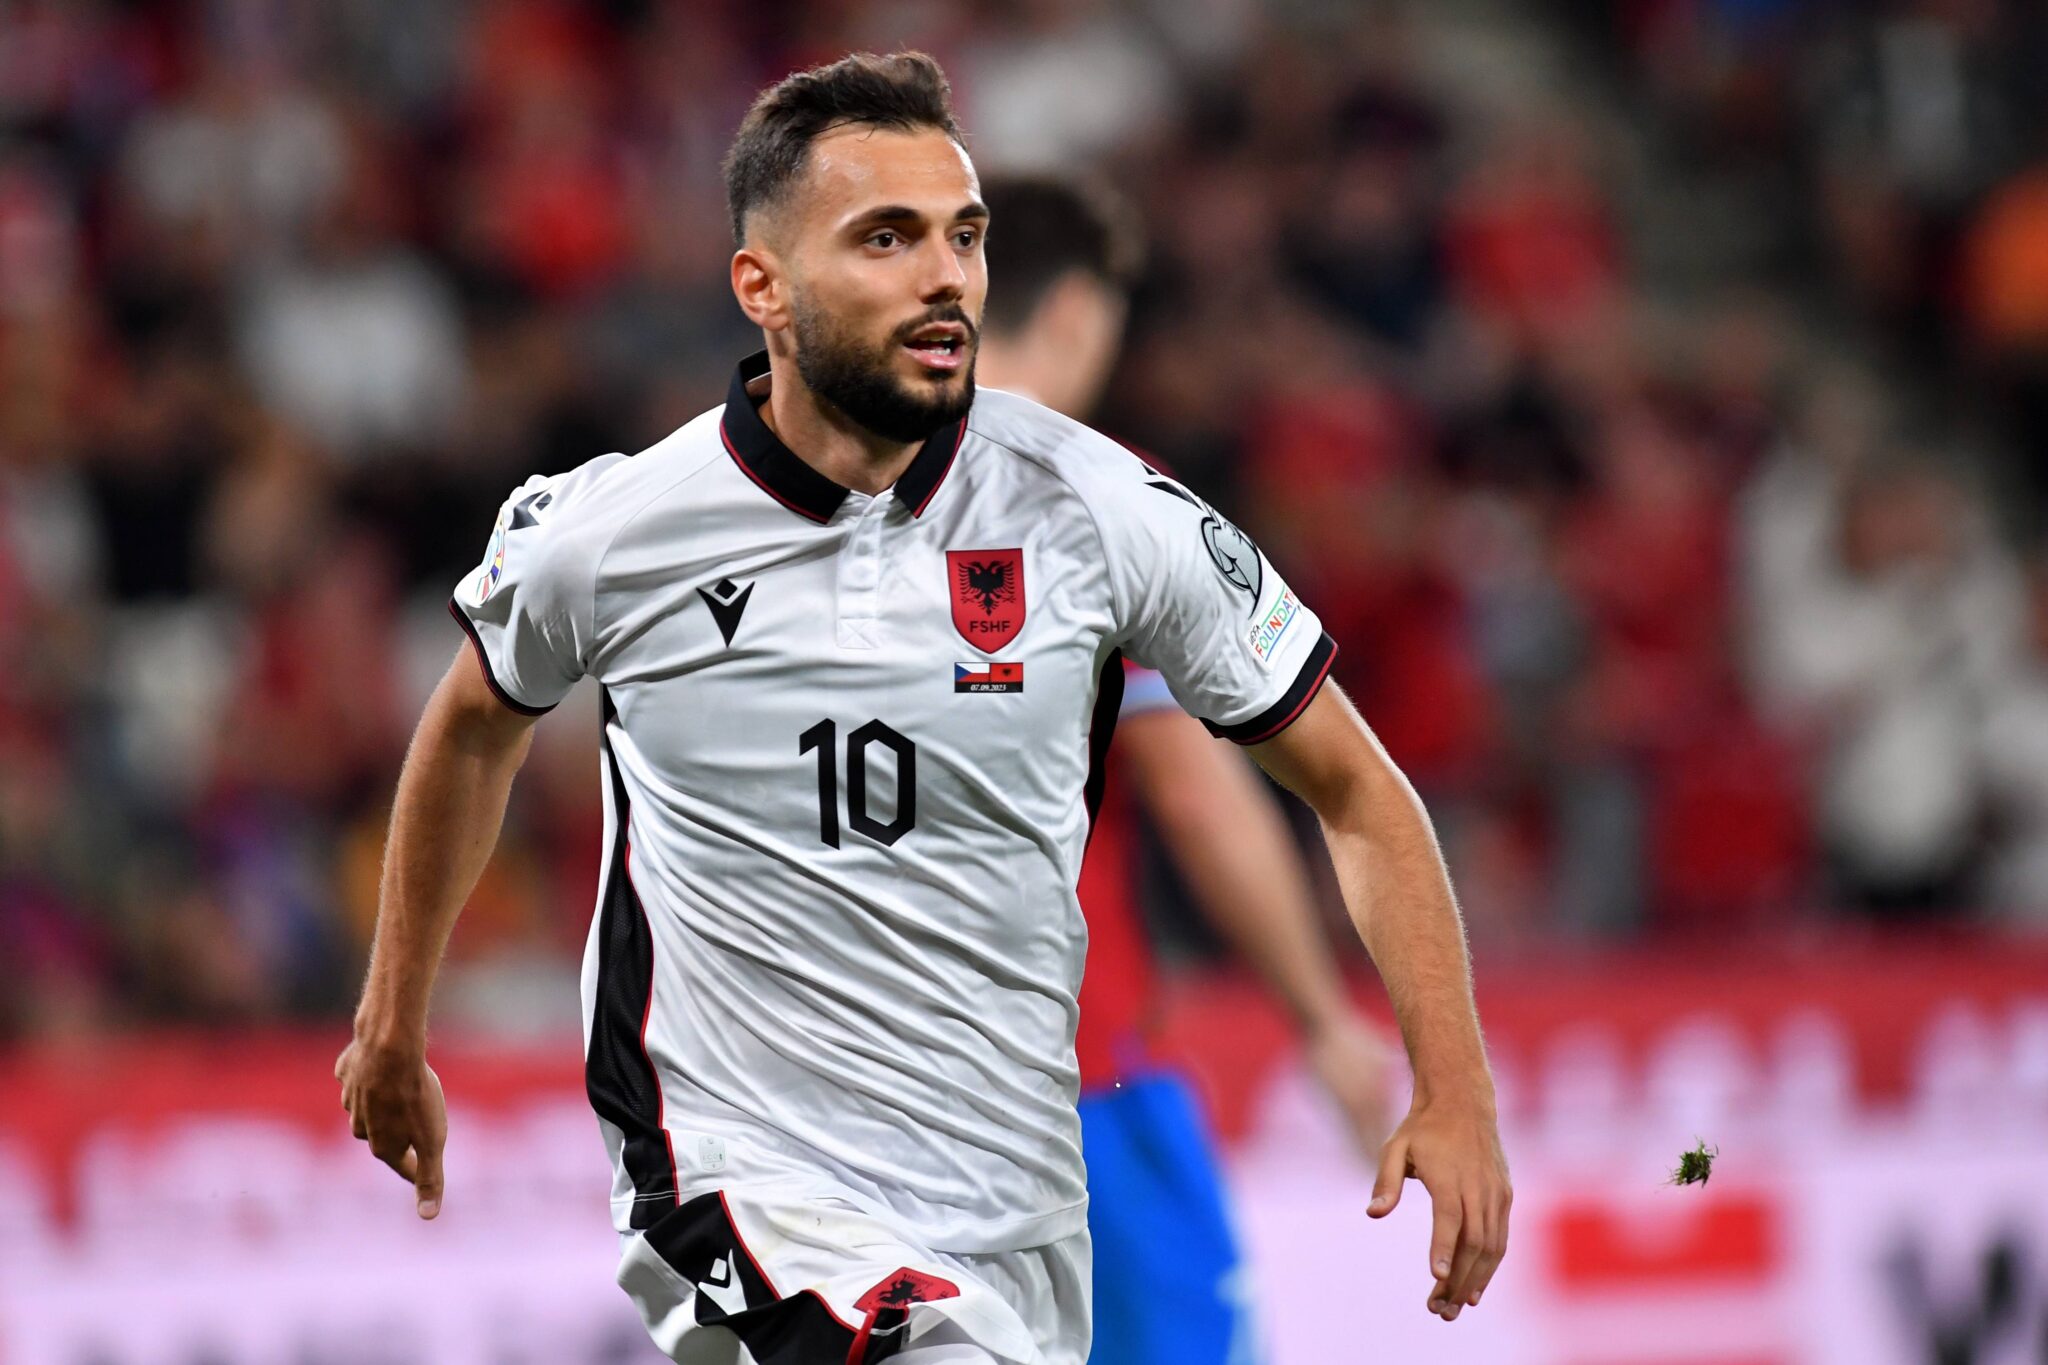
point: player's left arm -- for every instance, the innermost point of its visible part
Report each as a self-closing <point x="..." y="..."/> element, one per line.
<point x="1399" y="895"/>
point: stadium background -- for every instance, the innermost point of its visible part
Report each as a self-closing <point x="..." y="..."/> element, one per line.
<point x="1651" y="394"/>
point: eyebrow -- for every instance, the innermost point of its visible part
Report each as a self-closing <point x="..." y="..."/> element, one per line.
<point x="973" y="210"/>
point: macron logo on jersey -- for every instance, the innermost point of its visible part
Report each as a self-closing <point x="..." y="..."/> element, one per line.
<point x="528" y="513"/>
<point x="728" y="601"/>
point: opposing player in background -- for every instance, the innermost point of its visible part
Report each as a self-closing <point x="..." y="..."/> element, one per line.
<point x="1169" y="1283"/>
<point x="859" y="634"/>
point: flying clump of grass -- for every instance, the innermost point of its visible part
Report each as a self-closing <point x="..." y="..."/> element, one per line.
<point x="1695" y="1166"/>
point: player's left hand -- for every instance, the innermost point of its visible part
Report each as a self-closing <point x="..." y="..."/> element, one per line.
<point x="1352" y="1060"/>
<point x="1453" y="1148"/>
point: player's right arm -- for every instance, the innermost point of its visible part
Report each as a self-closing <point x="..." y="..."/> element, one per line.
<point x="450" y="805"/>
<point x="529" y="610"/>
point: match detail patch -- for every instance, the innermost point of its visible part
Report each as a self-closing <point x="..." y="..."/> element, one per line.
<point x="988" y="677"/>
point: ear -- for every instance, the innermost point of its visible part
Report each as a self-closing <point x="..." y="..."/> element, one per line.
<point x="761" y="287"/>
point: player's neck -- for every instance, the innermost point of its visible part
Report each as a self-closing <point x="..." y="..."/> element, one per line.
<point x="827" y="440"/>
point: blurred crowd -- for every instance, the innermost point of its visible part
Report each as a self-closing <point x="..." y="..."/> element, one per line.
<point x="1689" y="568"/>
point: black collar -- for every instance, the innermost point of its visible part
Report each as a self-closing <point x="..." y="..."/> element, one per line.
<point x="783" y="476"/>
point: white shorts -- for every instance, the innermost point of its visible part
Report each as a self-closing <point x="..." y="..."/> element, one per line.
<point x="801" y="1274"/>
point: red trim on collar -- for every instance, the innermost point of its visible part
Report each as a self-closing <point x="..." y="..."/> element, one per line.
<point x="959" y="437"/>
<point x="759" y="482"/>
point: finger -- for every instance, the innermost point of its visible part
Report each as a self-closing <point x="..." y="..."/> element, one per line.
<point x="1443" y="1244"/>
<point x="1472" y="1247"/>
<point x="340" y="1064"/>
<point x="1496" y="1245"/>
<point x="393" y="1152"/>
<point x="1440" y="1297"/>
<point x="1386" y="1190"/>
<point x="360" y="1126"/>
<point x="408" y="1167"/>
<point x="427" y="1180"/>
<point x="1482" y="1275"/>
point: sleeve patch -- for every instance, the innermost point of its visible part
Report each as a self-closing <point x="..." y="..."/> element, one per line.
<point x="493" y="567"/>
<point x="1270" y="629"/>
<point x="1291" y="704"/>
<point x="1234" y="555"/>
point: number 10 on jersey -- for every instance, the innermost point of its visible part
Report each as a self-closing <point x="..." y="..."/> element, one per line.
<point x="824" y="739"/>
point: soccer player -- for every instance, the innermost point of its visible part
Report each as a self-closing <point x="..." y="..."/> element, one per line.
<point x="1059" y="264"/>
<point x="859" y="633"/>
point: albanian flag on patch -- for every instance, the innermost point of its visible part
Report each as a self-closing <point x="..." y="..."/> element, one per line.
<point x="988" y="677"/>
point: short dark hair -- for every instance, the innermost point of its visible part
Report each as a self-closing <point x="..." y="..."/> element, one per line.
<point x="902" y="91"/>
<point x="1043" y="228"/>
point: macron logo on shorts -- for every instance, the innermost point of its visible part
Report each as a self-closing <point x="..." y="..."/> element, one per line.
<point x="722" y="1289"/>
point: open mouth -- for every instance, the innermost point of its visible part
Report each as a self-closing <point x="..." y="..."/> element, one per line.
<point x="942" y="347"/>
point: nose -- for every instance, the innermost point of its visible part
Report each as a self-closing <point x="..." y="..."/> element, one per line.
<point x="944" y="278"/>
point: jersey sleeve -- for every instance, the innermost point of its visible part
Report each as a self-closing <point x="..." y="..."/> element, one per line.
<point x="1200" y="603"/>
<point x="530" y="608"/>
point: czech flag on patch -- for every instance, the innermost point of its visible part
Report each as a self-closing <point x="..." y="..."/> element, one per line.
<point x="988" y="677"/>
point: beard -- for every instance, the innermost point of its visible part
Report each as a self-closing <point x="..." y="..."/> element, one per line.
<point x="859" y="379"/>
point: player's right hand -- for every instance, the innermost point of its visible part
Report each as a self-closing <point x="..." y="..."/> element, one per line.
<point x="394" y="1103"/>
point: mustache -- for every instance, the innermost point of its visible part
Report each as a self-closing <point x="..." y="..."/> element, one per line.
<point x="945" y="312"/>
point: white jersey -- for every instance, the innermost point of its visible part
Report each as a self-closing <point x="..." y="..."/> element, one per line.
<point x="852" y="745"/>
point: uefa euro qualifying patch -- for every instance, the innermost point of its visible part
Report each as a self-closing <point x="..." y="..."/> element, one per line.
<point x="527" y="512"/>
<point x="493" y="568"/>
<point x="1271" y="627"/>
<point x="1233" y="553"/>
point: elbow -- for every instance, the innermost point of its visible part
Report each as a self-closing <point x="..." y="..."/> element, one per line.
<point x="1370" y="801"/>
<point x="466" y="717"/>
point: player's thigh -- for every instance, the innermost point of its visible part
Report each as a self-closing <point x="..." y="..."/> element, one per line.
<point x="796" y="1275"/>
